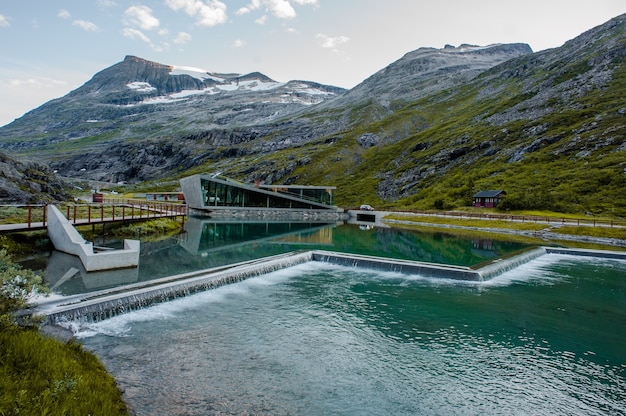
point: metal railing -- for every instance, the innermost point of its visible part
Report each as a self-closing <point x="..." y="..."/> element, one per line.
<point x="578" y="222"/>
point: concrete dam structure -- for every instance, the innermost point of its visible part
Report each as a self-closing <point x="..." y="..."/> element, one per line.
<point x="68" y="240"/>
<point x="108" y="303"/>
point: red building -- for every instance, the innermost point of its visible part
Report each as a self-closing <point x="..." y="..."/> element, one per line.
<point x="488" y="199"/>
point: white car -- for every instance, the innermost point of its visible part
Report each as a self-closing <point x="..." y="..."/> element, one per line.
<point x="366" y="207"/>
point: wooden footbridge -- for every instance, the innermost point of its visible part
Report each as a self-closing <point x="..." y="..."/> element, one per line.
<point x="18" y="218"/>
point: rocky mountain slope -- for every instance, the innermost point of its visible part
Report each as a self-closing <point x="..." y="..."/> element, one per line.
<point x="427" y="131"/>
<point x="139" y="120"/>
<point x="427" y="71"/>
<point x="137" y="99"/>
<point x="29" y="182"/>
<point x="548" y="128"/>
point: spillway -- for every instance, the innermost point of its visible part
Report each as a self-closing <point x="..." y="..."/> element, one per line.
<point x="108" y="303"/>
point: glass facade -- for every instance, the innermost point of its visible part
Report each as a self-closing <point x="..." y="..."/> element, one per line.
<point x="322" y="195"/>
<point x="219" y="193"/>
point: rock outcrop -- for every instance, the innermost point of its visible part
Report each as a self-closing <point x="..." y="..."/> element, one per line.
<point x="24" y="182"/>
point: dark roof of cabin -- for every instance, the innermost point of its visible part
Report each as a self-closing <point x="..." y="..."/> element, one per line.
<point x="489" y="194"/>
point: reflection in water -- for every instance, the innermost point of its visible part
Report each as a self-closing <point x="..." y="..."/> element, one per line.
<point x="206" y="243"/>
<point x="205" y="236"/>
<point x="65" y="268"/>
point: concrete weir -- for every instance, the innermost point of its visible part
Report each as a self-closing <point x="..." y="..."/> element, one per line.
<point x="97" y="306"/>
<point x="66" y="239"/>
<point x="400" y="266"/>
<point x="101" y="305"/>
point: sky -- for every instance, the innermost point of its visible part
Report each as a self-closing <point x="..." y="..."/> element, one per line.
<point x="51" y="47"/>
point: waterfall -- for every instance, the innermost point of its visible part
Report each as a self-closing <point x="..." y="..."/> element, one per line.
<point x="106" y="304"/>
<point x="503" y="265"/>
<point x="400" y="266"/>
<point x="102" y="306"/>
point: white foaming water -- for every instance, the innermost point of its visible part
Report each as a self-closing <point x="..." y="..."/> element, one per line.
<point x="120" y="325"/>
<point x="536" y="272"/>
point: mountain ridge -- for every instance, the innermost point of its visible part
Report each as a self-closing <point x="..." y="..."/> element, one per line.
<point x="140" y="89"/>
<point x="487" y="123"/>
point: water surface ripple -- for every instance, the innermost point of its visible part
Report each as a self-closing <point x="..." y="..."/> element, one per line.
<point x="547" y="338"/>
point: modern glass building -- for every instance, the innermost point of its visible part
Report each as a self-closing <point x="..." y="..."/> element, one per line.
<point x="211" y="193"/>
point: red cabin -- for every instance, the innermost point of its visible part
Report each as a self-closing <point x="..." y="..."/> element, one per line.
<point x="488" y="199"/>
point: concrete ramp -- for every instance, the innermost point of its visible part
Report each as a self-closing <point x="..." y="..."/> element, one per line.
<point x="68" y="240"/>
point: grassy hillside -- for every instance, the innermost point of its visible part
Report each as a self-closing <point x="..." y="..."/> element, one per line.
<point x="441" y="150"/>
<point x="548" y="128"/>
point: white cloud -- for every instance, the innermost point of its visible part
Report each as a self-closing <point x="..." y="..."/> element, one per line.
<point x="64" y="14"/>
<point x="329" y="42"/>
<point x="141" y="17"/>
<point x="182" y="38"/>
<point x="135" y="34"/>
<point x="206" y="12"/>
<point x="4" y="21"/>
<point x="261" y="20"/>
<point x="36" y="82"/>
<point x="254" y="5"/>
<point x="239" y="43"/>
<point x="282" y="9"/>
<point x="85" y="25"/>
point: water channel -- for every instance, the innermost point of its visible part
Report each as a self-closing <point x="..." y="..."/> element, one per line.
<point x="206" y="243"/>
<point x="545" y="338"/>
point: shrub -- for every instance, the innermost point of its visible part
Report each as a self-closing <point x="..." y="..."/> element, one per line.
<point x="17" y="285"/>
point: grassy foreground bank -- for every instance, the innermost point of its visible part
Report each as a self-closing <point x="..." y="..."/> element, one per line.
<point x="42" y="376"/>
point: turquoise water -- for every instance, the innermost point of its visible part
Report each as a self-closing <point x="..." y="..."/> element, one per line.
<point x="546" y="338"/>
<point x="205" y="244"/>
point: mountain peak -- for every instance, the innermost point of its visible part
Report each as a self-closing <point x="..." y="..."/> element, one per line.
<point x="427" y="70"/>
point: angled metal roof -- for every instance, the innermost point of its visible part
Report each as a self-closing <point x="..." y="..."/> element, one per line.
<point x="489" y="194"/>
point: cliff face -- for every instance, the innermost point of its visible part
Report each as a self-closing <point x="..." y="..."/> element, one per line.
<point x="28" y="182"/>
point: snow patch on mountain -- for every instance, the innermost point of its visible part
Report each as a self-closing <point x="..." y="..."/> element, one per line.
<point x="298" y="92"/>
<point x="307" y="89"/>
<point x="140" y="86"/>
<point x="197" y="73"/>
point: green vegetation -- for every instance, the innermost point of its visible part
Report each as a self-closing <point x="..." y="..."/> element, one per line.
<point x="21" y="244"/>
<point x="503" y="224"/>
<point x="40" y="375"/>
<point x="17" y="286"/>
<point x="571" y="160"/>
<point x="149" y="230"/>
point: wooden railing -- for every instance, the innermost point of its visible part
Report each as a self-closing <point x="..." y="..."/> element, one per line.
<point x="34" y="216"/>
